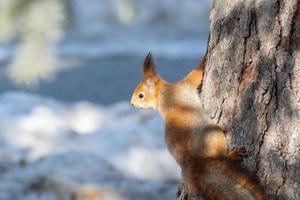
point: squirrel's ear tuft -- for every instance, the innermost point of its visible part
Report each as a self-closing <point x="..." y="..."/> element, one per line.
<point x="149" y="66"/>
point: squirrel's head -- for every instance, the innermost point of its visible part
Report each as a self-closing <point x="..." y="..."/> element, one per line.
<point x="145" y="94"/>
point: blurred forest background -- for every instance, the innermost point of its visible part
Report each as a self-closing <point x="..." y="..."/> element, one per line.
<point x="60" y="47"/>
<point x="67" y="71"/>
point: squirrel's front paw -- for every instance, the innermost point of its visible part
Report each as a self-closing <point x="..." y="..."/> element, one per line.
<point x="237" y="153"/>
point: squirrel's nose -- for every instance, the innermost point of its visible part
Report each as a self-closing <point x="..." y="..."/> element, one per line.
<point x="131" y="102"/>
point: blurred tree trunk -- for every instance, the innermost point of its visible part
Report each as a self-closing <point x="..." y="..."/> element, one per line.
<point x="251" y="87"/>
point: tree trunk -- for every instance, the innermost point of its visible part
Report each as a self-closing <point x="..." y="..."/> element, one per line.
<point x="251" y="87"/>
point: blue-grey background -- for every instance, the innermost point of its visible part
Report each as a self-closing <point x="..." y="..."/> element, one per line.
<point x="74" y="134"/>
<point x="101" y="52"/>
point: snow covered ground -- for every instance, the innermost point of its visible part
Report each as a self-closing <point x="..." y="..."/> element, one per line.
<point x="54" y="150"/>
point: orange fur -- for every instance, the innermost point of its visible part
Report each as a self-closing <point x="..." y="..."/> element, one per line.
<point x="196" y="75"/>
<point x="190" y="134"/>
<point x="179" y="104"/>
<point x="219" y="178"/>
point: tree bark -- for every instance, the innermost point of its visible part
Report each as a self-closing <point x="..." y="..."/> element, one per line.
<point x="251" y="87"/>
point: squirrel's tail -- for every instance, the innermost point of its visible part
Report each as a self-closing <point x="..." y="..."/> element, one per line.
<point x="220" y="179"/>
<point x="196" y="75"/>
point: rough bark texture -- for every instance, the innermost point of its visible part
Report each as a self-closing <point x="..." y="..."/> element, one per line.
<point x="251" y="87"/>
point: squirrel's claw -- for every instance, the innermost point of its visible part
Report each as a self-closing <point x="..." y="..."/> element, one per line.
<point x="238" y="153"/>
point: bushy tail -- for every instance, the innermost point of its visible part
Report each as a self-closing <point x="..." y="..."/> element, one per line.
<point x="220" y="179"/>
<point x="196" y="75"/>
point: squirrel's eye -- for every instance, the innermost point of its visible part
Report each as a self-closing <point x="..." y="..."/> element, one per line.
<point x="141" y="96"/>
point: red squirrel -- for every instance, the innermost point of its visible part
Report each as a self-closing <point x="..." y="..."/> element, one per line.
<point x="189" y="133"/>
<point x="187" y="127"/>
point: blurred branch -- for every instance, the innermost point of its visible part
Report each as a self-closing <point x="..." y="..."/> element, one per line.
<point x="38" y="25"/>
<point x="127" y="11"/>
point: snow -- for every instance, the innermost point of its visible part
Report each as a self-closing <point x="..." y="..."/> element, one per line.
<point x="55" y="150"/>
